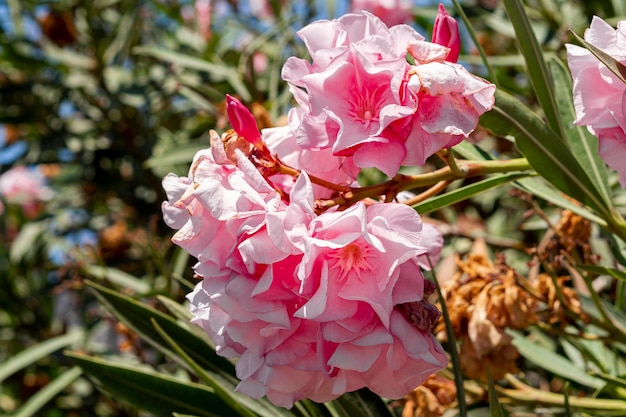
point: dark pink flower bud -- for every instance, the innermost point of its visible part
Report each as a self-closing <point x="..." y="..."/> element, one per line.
<point x="446" y="33"/>
<point x="243" y="122"/>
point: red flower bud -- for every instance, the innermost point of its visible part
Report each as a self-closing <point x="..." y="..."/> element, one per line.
<point x="446" y="33"/>
<point x="243" y="122"/>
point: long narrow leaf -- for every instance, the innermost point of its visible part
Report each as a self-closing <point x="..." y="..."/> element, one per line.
<point x="611" y="63"/>
<point x="548" y="156"/>
<point x="495" y="410"/>
<point x="537" y="186"/>
<point x="466" y="192"/>
<point x="156" y="393"/>
<point x="583" y="144"/>
<point x="553" y="362"/>
<point x="37" y="352"/>
<point x="217" y="72"/>
<point x="138" y="317"/>
<point x="47" y="393"/>
<point x="535" y="63"/>
<point x="219" y="390"/>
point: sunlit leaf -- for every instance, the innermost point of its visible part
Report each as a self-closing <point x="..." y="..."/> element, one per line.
<point x="138" y="317"/>
<point x="37" y="352"/>
<point x="463" y="193"/>
<point x="47" y="393"/>
<point x="151" y="391"/>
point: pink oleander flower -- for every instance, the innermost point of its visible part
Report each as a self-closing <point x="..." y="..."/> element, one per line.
<point x="446" y="33"/>
<point x="599" y="95"/>
<point x="25" y="187"/>
<point x="319" y="163"/>
<point x="203" y="16"/>
<point x="389" y="115"/>
<point x="217" y="206"/>
<point x="391" y="12"/>
<point x="450" y="101"/>
<point x="312" y="305"/>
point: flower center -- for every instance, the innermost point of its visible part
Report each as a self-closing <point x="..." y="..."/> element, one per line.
<point x="351" y="258"/>
<point x="365" y="105"/>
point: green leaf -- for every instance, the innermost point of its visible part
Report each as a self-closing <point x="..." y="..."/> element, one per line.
<point x="26" y="240"/>
<point x="472" y="151"/>
<point x="552" y="362"/>
<point x="495" y="410"/>
<point x="217" y="72"/>
<point x="368" y="403"/>
<point x="540" y="188"/>
<point x="37" y="352"/>
<point x="44" y="395"/>
<point x="219" y="390"/>
<point x="582" y="143"/>
<point x="537" y="69"/>
<point x="138" y="317"/>
<point x="611" y="63"/>
<point x="118" y="277"/>
<point x="466" y="192"/>
<point x="603" y="270"/>
<point x="539" y="144"/>
<point x="156" y="393"/>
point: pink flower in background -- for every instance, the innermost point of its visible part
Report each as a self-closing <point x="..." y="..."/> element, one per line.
<point x="391" y="12"/>
<point x="446" y="33"/>
<point x="203" y="16"/>
<point x="599" y="96"/>
<point x="25" y="187"/>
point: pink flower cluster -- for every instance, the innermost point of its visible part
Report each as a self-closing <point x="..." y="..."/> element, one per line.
<point x="313" y="305"/>
<point x="364" y="102"/>
<point x="599" y="96"/>
<point x="315" y="302"/>
<point x="25" y="187"/>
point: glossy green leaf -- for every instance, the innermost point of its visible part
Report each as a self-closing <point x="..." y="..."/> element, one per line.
<point x="368" y="403"/>
<point x="583" y="144"/>
<point x="540" y="145"/>
<point x="220" y="390"/>
<point x="138" y="317"/>
<point x="151" y="391"/>
<point x="537" y="69"/>
<point x="495" y="410"/>
<point x="552" y="362"/>
<point x="47" y="393"/>
<point x="463" y="193"/>
<point x="118" y="277"/>
<point x="37" y="352"/>
<point x="611" y="63"/>
<point x="537" y="186"/>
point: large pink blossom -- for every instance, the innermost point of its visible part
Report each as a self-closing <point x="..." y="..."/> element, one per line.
<point x="449" y="102"/>
<point x="313" y="305"/>
<point x="599" y="96"/>
<point x="391" y="12"/>
<point x="388" y="113"/>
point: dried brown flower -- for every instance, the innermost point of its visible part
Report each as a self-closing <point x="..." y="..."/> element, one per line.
<point x="559" y="299"/>
<point x="483" y="300"/>
<point x="431" y="399"/>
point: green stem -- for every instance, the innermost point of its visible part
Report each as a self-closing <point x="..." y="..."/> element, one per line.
<point x="527" y="394"/>
<point x="401" y="182"/>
